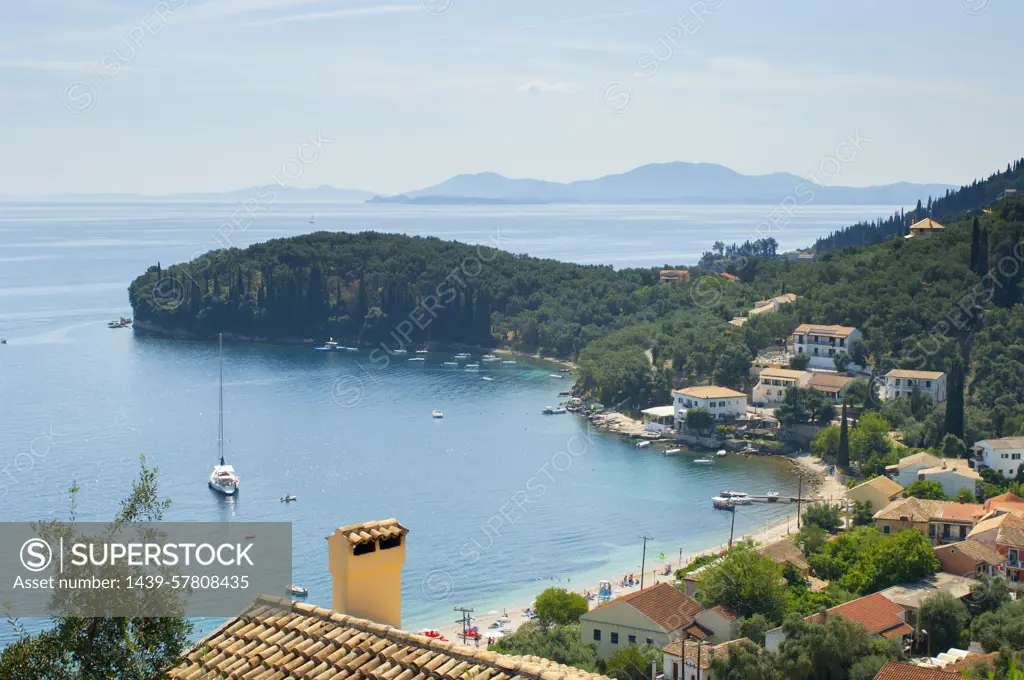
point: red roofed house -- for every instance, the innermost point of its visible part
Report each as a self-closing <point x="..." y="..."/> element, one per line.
<point x="876" y="613"/>
<point x="1005" y="534"/>
<point x="674" y="275"/>
<point x="655" y="615"/>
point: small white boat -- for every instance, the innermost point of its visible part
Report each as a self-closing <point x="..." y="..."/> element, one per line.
<point x="400" y="352"/>
<point x="437" y="413"/>
<point x="451" y="363"/>
<point x="560" y="409"/>
<point x="555" y="375"/>
<point x="704" y="461"/>
<point x="488" y="379"/>
<point x="509" y="362"/>
<point x="288" y="498"/>
<point x="461" y="355"/>
<point x="417" y="359"/>
<point x="488" y="357"/>
<point x="548" y="410"/>
<point x="223" y="479"/>
<point x="643" y="445"/>
<point x="773" y="496"/>
<point x="297" y="591"/>
<point x="670" y="452"/>
<point x="721" y="453"/>
<point x="472" y="367"/>
<point x="312" y="220"/>
<point x="421" y="351"/>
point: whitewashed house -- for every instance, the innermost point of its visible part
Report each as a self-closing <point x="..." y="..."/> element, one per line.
<point x="722" y="402"/>
<point x="772" y="384"/>
<point x="902" y="383"/>
<point x="823" y="342"/>
<point x="953" y="474"/>
<point x="906" y="471"/>
<point x="1002" y="455"/>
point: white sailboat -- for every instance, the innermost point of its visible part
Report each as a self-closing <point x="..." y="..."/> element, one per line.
<point x="223" y="477"/>
<point x="311" y="220"/>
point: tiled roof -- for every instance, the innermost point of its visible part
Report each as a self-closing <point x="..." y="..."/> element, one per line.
<point x="695" y="630"/>
<point x="955" y="511"/>
<point x="921" y="458"/>
<point x="971" y="660"/>
<point x="876" y="613"/>
<point x="918" y="509"/>
<point x="926" y="223"/>
<point x="1009" y="529"/>
<point x="896" y="670"/>
<point x="957" y="465"/>
<point x="829" y="382"/>
<point x="974" y="549"/>
<point x="368" y="532"/>
<point x="1003" y="443"/>
<point x="914" y="375"/>
<point x="731" y="277"/>
<point x="709" y="392"/>
<point x="784" y="551"/>
<point x="882" y="484"/>
<point x="824" y="329"/>
<point x="786" y="373"/>
<point x="725" y="612"/>
<point x="664" y="604"/>
<point x="707" y="652"/>
<point x="277" y="639"/>
<point x="1003" y="498"/>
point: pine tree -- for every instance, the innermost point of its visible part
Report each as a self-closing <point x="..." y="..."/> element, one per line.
<point x="843" y="457"/>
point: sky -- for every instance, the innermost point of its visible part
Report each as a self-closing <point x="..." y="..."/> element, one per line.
<point x="170" y="96"/>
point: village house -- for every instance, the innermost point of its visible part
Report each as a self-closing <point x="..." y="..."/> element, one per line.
<point x="879" y="491"/>
<point x="876" y="613"/>
<point x="691" y="659"/>
<point x="969" y="556"/>
<point x="953" y="474"/>
<point x="1005" y="502"/>
<point x="941" y="521"/>
<point x="902" y="383"/>
<point x="1002" y="455"/>
<point x="1005" y="534"/>
<point x="832" y="385"/>
<point x="674" y="275"/>
<point x="905" y="471"/>
<point x="655" y="615"/>
<point x="910" y="596"/>
<point x="944" y="666"/>
<point x="924" y="228"/>
<point x="772" y="384"/>
<point x="823" y="342"/>
<point x="771" y="304"/>
<point x="722" y="402"/>
<point x="359" y="637"/>
<point x="784" y="551"/>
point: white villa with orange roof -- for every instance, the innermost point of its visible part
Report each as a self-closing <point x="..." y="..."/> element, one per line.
<point x="822" y="342"/>
<point x="722" y="402"/>
<point x="771" y="387"/>
<point x="902" y="383"/>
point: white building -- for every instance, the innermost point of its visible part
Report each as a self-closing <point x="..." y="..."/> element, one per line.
<point x="1002" y="455"/>
<point x="906" y="471"/>
<point x="722" y="402"/>
<point x="772" y="384"/>
<point x="902" y="383"/>
<point x="823" y="343"/>
<point x="771" y="305"/>
<point x="953" y="474"/>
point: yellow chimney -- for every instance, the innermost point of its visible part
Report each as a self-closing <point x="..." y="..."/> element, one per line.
<point x="365" y="561"/>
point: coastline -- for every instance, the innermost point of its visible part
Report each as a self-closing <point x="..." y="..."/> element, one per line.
<point x="822" y="487"/>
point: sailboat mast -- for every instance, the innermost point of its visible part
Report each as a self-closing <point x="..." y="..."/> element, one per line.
<point x="220" y="404"/>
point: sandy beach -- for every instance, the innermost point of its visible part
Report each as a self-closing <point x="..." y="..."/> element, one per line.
<point x="819" y="486"/>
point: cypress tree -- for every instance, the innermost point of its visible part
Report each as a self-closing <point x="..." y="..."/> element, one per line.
<point x="954" y="424"/>
<point x="975" y="246"/>
<point x="843" y="457"/>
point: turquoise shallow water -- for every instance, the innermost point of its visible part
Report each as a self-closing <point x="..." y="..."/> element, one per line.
<point x="499" y="499"/>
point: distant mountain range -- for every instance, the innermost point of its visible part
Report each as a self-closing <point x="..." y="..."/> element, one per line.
<point x="654" y="183"/>
<point x="663" y="183"/>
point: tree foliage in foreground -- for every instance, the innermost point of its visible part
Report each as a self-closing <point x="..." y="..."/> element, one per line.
<point x="559" y="606"/>
<point x="558" y="643"/>
<point x="746" y="581"/>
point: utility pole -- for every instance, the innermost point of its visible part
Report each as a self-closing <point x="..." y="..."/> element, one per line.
<point x="643" y="559"/>
<point x="799" y="498"/>
<point x="732" y="525"/>
<point x="464" y="620"/>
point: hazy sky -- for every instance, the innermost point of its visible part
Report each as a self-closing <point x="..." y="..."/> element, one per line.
<point x="210" y="95"/>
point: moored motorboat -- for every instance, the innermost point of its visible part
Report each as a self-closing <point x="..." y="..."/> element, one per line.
<point x="488" y="378"/>
<point x="451" y="363"/>
<point x="421" y="351"/>
<point x="297" y="591"/>
<point x="437" y="413"/>
<point x="555" y="375"/>
<point x="773" y="496"/>
<point x="548" y="410"/>
<point x="704" y="461"/>
<point x="670" y="452"/>
<point x="288" y="498"/>
<point x="509" y="362"/>
<point x="472" y="367"/>
<point x="400" y="352"/>
<point x="559" y="409"/>
<point x="720" y="503"/>
<point x="643" y="445"/>
<point x="417" y="359"/>
<point x="721" y="453"/>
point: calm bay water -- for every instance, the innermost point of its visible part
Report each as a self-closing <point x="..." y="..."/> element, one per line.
<point x="353" y="440"/>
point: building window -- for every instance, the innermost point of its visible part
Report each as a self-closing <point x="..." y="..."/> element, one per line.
<point x="650" y="641"/>
<point x="675" y="670"/>
<point x="885" y="529"/>
<point x="632" y="639"/>
<point x="615" y="638"/>
<point x="928" y="383"/>
<point x="597" y="635"/>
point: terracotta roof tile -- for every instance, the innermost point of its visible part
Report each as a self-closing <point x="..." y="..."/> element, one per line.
<point x="882" y="484"/>
<point x="876" y="613"/>
<point x="895" y="670"/>
<point x="919" y="509"/>
<point x="664" y="604"/>
<point x="707" y="652"/>
<point x="782" y="551"/>
<point x="974" y="549"/>
<point x="367" y="532"/>
<point x="971" y="660"/>
<point x="277" y="639"/>
<point x="961" y="512"/>
<point x="725" y="612"/>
